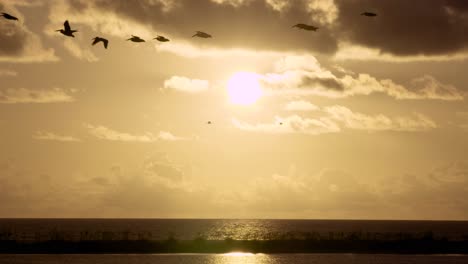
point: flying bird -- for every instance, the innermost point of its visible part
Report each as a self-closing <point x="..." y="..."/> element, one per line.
<point x="306" y="27"/>
<point x="67" y="31"/>
<point x="369" y="14"/>
<point x="99" y="39"/>
<point x="209" y="122"/>
<point x="9" y="17"/>
<point x="136" y="39"/>
<point x="161" y="39"/>
<point x="202" y="34"/>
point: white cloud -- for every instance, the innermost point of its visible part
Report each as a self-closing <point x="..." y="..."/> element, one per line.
<point x="303" y="75"/>
<point x="106" y="133"/>
<point x="324" y="11"/>
<point x="300" y="106"/>
<point x="359" y="121"/>
<point x="290" y="124"/>
<point x="347" y="51"/>
<point x="44" y="135"/>
<point x="23" y="95"/>
<point x="335" y="119"/>
<point x="185" y="84"/>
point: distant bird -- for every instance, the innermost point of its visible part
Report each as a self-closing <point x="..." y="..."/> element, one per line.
<point x="280" y="123"/>
<point x="136" y="39"/>
<point x="99" y="39"/>
<point x="209" y="122"/>
<point x="369" y="14"/>
<point x="202" y="34"/>
<point x="8" y="16"/>
<point x="161" y="39"/>
<point x="306" y="27"/>
<point x="67" y="31"/>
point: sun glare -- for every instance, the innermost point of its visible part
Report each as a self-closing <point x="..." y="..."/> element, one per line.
<point x="244" y="88"/>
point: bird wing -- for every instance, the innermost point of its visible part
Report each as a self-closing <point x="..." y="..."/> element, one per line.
<point x="96" y="40"/>
<point x="66" y="25"/>
<point x="106" y="42"/>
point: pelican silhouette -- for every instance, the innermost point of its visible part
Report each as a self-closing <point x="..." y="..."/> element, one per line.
<point x="8" y="16"/>
<point x="67" y="31"/>
<point x="369" y="14"/>
<point x="136" y="39"/>
<point x="306" y="27"/>
<point x="202" y="34"/>
<point x="99" y="39"/>
<point x="161" y="39"/>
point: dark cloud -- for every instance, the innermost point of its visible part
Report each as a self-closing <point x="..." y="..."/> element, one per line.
<point x="13" y="38"/>
<point x="416" y="27"/>
<point x="18" y="43"/>
<point x="254" y="24"/>
<point x="403" y="28"/>
<point x="328" y="83"/>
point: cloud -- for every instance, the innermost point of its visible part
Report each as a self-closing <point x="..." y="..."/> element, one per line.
<point x="50" y="136"/>
<point x="78" y="51"/>
<point x="24" y="96"/>
<point x="301" y="105"/>
<point x="342" y="29"/>
<point x="119" y="19"/>
<point x="8" y="73"/>
<point x="359" y="121"/>
<point x="185" y="84"/>
<point x="290" y="124"/>
<point x="19" y="44"/>
<point x="335" y="119"/>
<point x="106" y="133"/>
<point x="303" y="75"/>
<point x="399" y="33"/>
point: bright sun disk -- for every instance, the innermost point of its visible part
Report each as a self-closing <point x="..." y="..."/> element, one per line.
<point x="244" y="88"/>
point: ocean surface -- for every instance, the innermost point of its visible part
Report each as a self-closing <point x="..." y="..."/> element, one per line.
<point x="233" y="259"/>
<point x="220" y="229"/>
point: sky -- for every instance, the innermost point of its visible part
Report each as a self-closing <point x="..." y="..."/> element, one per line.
<point x="364" y="118"/>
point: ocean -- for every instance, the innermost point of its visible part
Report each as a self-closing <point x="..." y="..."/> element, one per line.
<point x="233" y="259"/>
<point x="220" y="229"/>
<point x="27" y="232"/>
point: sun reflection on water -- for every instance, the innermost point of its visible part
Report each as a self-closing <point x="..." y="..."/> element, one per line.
<point x="242" y="257"/>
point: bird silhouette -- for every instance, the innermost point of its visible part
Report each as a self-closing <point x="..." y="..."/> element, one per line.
<point x="136" y="39"/>
<point x="99" y="39"/>
<point x="9" y="17"/>
<point x="67" y="31"/>
<point x="161" y="39"/>
<point x="202" y="34"/>
<point x="209" y="122"/>
<point x="306" y="27"/>
<point x="369" y="14"/>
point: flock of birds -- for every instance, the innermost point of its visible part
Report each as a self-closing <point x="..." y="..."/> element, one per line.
<point x="68" y="31"/>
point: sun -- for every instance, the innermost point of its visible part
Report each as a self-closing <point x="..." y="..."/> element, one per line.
<point x="243" y="88"/>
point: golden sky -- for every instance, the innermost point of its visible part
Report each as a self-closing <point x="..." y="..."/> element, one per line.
<point x="364" y="118"/>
